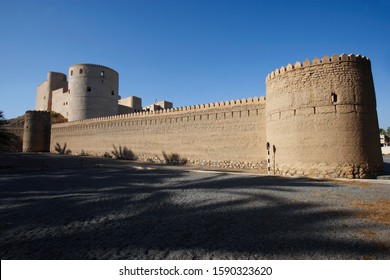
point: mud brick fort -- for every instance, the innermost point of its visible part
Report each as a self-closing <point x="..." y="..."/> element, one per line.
<point x="319" y="119"/>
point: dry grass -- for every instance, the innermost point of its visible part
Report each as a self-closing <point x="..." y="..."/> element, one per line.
<point x="378" y="211"/>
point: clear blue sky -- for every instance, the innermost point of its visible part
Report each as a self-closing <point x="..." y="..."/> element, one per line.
<point x="186" y="51"/>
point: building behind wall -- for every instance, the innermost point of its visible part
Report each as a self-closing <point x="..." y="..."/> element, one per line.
<point x="92" y="91"/>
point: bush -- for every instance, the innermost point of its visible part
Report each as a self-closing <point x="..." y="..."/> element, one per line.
<point x="123" y="153"/>
<point x="174" y="159"/>
<point x="62" y="151"/>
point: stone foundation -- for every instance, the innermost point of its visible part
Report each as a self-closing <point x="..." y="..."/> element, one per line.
<point x="324" y="170"/>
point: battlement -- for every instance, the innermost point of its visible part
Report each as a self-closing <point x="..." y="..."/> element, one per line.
<point x="193" y="108"/>
<point x="317" y="61"/>
<point x="92" y="65"/>
<point x="37" y="112"/>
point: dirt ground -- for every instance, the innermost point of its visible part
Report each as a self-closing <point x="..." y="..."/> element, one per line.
<point x="66" y="207"/>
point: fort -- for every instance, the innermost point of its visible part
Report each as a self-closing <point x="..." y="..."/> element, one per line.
<point x="318" y="119"/>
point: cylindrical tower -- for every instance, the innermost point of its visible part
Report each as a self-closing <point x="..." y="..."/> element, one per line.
<point x="93" y="91"/>
<point x="322" y="120"/>
<point x="37" y="128"/>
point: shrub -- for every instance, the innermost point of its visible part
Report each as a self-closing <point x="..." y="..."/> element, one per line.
<point x="174" y="159"/>
<point x="62" y="151"/>
<point x="123" y="153"/>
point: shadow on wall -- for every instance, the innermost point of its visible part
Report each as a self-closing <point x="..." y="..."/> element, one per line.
<point x="166" y="214"/>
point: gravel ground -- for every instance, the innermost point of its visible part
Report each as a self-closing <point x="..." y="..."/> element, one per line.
<point x="119" y="212"/>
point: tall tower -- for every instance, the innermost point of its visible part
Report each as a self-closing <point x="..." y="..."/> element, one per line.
<point x="37" y="131"/>
<point x="321" y="118"/>
<point x="93" y="91"/>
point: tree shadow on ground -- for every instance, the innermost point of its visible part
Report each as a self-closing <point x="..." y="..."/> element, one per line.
<point x="171" y="214"/>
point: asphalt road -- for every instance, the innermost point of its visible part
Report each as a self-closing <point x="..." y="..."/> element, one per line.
<point x="66" y="209"/>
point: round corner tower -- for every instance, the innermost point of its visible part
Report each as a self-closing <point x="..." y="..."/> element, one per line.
<point x="321" y="118"/>
<point x="37" y="131"/>
<point x="93" y="91"/>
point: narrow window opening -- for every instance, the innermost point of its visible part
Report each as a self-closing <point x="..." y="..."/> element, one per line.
<point x="71" y="72"/>
<point x="112" y="92"/>
<point x="102" y="74"/>
<point x="81" y="71"/>
<point x="334" y="97"/>
<point x="88" y="89"/>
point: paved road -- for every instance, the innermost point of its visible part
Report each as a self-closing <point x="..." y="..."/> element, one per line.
<point x="173" y="213"/>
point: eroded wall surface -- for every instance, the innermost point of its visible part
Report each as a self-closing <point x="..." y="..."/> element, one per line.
<point x="226" y="134"/>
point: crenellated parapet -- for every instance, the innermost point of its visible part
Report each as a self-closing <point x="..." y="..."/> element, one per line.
<point x="185" y="109"/>
<point x="316" y="61"/>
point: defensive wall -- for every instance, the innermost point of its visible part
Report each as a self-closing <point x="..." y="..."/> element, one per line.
<point x="319" y="120"/>
<point x="322" y="120"/>
<point x="227" y="134"/>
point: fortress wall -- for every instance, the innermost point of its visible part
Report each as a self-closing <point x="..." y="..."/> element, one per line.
<point x="321" y="118"/>
<point x="224" y="134"/>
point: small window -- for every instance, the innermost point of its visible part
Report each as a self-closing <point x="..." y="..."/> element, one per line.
<point x="102" y="74"/>
<point x="334" y="97"/>
<point x="81" y="71"/>
<point x="112" y="92"/>
<point x="71" y="72"/>
<point x="88" y="89"/>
